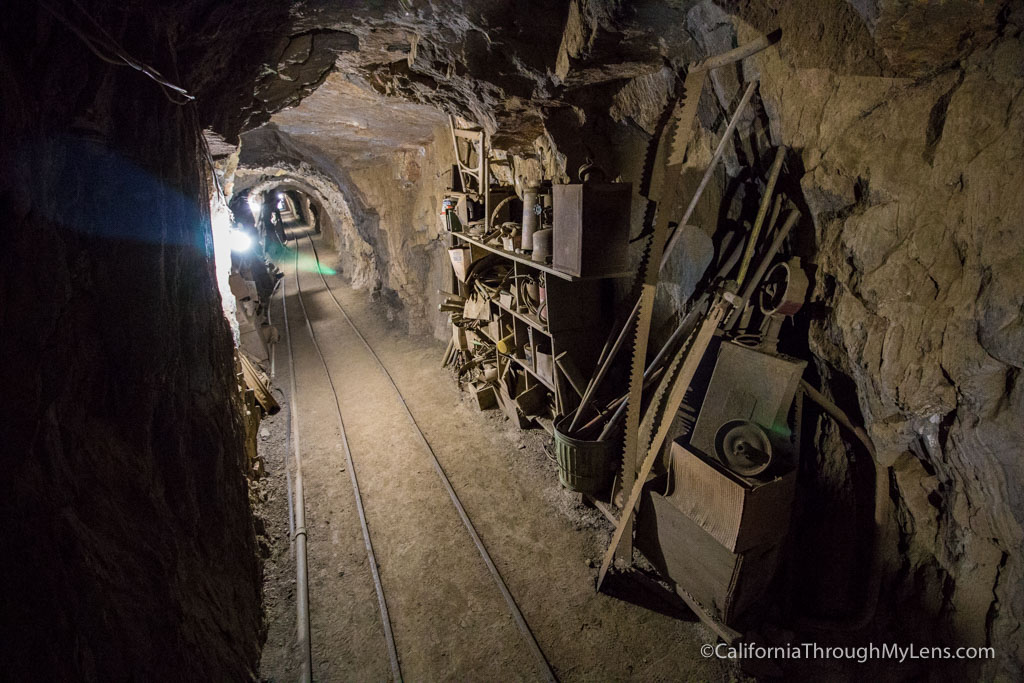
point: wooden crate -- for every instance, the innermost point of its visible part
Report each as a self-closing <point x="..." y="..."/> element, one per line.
<point x="724" y="584"/>
<point x="737" y="512"/>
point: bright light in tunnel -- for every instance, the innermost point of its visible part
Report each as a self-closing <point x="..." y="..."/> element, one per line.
<point x="254" y="205"/>
<point x="240" y="240"/>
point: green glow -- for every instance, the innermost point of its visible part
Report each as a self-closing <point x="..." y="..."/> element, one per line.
<point x="782" y="430"/>
<point x="304" y="262"/>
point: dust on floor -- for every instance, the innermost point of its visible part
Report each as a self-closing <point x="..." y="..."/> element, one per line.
<point x="448" y="617"/>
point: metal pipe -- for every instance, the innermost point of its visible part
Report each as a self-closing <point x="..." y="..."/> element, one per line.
<point x="685" y="326"/>
<point x="299" y="536"/>
<point x="733" y="122"/>
<point x="603" y="369"/>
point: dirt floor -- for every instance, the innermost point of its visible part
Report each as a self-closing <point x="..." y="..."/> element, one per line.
<point x="449" y="619"/>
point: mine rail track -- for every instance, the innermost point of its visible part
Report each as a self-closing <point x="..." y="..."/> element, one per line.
<point x="300" y="532"/>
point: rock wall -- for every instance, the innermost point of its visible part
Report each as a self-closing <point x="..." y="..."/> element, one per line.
<point x="405" y="190"/>
<point x="910" y="180"/>
<point x="128" y="545"/>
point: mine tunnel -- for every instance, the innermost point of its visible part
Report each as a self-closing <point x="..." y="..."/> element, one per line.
<point x="574" y="340"/>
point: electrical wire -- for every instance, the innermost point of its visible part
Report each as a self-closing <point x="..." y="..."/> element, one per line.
<point x="116" y="55"/>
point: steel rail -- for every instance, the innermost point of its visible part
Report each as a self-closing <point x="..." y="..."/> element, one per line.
<point x="517" y="615"/>
<point x="389" y="637"/>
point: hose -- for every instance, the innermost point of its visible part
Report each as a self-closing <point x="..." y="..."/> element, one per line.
<point x="881" y="525"/>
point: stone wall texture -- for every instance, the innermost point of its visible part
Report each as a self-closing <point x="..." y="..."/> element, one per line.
<point x="128" y="550"/>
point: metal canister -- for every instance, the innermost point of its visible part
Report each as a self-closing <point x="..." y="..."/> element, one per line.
<point x="542" y="246"/>
<point x="532" y="210"/>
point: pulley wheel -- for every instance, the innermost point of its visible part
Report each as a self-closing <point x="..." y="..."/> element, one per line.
<point x="783" y="290"/>
<point x="743" y="447"/>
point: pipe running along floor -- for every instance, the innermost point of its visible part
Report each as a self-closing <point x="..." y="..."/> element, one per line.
<point x="448" y="617"/>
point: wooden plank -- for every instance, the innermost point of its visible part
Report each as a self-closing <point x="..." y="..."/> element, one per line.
<point x="737" y="53"/>
<point x="675" y="398"/>
<point x="254" y="380"/>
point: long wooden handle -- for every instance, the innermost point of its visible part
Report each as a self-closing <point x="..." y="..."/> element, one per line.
<point x="675" y="398"/>
<point x="737" y="53"/>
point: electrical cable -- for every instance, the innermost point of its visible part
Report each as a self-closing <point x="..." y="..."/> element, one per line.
<point x="120" y="58"/>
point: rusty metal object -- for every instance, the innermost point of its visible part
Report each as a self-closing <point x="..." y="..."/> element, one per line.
<point x="743" y="447"/>
<point x="784" y="289"/>
<point x="755" y="279"/>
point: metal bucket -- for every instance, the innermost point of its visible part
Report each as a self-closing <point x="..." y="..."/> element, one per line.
<point x="584" y="466"/>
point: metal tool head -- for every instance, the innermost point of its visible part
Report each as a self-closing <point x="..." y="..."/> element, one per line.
<point x="743" y="447"/>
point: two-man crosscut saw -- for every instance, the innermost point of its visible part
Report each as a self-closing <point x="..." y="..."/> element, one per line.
<point x="676" y="141"/>
<point x="651" y="265"/>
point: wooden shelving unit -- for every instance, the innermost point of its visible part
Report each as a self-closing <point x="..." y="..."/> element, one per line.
<point x="525" y="260"/>
<point x="569" y="325"/>
<point x="534" y="342"/>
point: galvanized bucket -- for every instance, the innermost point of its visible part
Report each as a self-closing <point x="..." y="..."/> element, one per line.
<point x="584" y="466"/>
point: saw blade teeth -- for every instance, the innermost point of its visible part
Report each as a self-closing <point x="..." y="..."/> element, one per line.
<point x="683" y="117"/>
<point x="678" y="138"/>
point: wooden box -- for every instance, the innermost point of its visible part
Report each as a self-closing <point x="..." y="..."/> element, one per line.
<point x="738" y="513"/>
<point x="724" y="583"/>
<point x="591" y="228"/>
<point x="485" y="395"/>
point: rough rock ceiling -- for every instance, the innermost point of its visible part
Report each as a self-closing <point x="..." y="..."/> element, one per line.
<point x="349" y="120"/>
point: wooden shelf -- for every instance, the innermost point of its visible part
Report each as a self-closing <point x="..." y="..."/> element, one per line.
<point x="530" y="320"/>
<point x="512" y="256"/>
<point x="519" y="258"/>
<point x="521" y="362"/>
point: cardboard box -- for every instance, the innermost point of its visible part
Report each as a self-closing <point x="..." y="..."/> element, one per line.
<point x="738" y="513"/>
<point x="477" y="308"/>
<point x="461" y="260"/>
<point x="459" y="338"/>
<point x="464" y="257"/>
<point x="545" y="366"/>
<point x="506" y="299"/>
